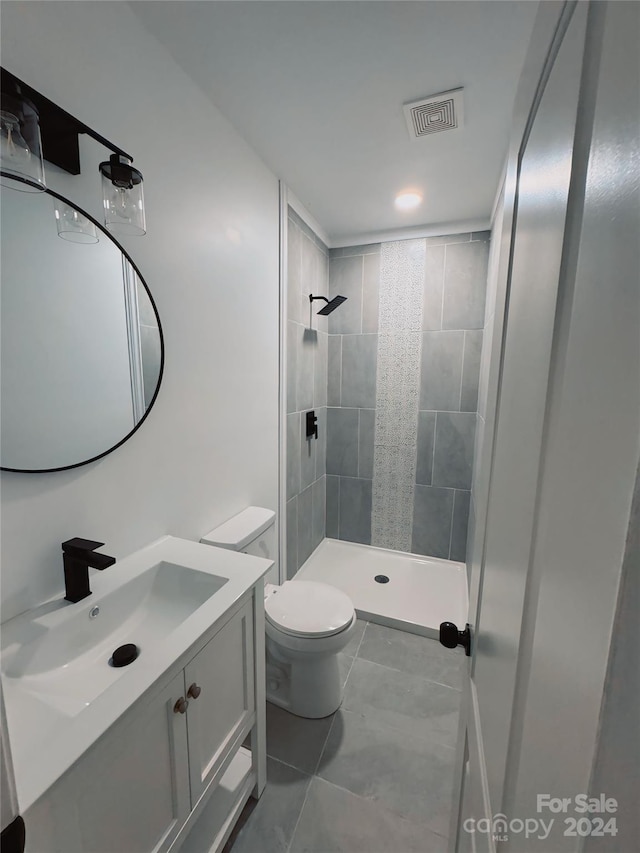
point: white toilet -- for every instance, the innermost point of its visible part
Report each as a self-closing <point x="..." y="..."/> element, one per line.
<point x="307" y="623"/>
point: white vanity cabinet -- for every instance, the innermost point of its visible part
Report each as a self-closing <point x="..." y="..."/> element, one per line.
<point x="127" y="793"/>
<point x="219" y="686"/>
<point x="145" y="783"/>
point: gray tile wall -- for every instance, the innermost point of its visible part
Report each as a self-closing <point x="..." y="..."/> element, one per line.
<point x="453" y="318"/>
<point x="307" y="355"/>
<point x="354" y="272"/>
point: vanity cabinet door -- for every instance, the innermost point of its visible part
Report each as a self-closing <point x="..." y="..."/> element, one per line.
<point x="130" y="792"/>
<point x="224" y="704"/>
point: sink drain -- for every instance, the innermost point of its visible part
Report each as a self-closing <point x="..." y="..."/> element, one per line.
<point x="124" y="655"/>
<point x="381" y="579"/>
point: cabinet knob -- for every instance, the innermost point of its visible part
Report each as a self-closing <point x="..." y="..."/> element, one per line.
<point x="194" y="691"/>
<point x="181" y="706"/>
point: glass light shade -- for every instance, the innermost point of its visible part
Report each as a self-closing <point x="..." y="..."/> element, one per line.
<point x="122" y="197"/>
<point x="72" y="225"/>
<point x="19" y="159"/>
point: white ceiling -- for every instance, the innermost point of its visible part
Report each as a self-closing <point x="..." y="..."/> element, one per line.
<point x="317" y="89"/>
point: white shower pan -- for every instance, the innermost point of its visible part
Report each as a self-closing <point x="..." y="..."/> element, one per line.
<point x="421" y="592"/>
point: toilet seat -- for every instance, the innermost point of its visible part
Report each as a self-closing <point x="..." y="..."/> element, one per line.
<point x="308" y="609"/>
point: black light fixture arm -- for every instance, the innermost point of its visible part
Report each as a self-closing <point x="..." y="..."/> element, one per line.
<point x="58" y="128"/>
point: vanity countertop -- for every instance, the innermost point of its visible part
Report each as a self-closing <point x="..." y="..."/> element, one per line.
<point x="56" y="712"/>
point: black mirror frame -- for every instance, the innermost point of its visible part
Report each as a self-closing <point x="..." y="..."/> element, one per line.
<point x="155" y="310"/>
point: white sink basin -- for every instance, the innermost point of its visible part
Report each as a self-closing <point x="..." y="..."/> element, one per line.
<point x="63" y="654"/>
<point x="61" y="691"/>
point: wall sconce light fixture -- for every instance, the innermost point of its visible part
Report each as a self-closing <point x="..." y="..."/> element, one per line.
<point x="122" y="196"/>
<point x="20" y="146"/>
<point x="26" y="142"/>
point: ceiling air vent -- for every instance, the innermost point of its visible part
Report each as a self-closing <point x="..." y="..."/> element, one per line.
<point x="435" y="114"/>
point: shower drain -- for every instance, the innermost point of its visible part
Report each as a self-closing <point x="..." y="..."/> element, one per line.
<point x="381" y="579"/>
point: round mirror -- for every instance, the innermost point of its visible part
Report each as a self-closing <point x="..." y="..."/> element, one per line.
<point x="81" y="349"/>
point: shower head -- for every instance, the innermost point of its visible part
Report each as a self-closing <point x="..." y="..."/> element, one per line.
<point x="331" y="305"/>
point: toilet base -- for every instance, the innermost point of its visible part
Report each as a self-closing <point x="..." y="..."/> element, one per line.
<point x="310" y="690"/>
<point x="306" y="683"/>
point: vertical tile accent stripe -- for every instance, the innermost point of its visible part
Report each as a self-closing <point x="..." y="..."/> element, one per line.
<point x="402" y="265"/>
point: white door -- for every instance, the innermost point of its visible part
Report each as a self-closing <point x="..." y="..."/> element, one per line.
<point x="587" y="477"/>
<point x="531" y="300"/>
<point x="529" y="583"/>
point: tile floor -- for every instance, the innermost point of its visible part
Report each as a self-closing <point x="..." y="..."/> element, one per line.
<point x="376" y="776"/>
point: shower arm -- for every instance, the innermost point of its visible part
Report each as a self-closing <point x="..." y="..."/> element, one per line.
<point x="311" y="298"/>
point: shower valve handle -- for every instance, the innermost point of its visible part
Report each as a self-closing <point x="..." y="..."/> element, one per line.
<point x="451" y="637"/>
<point x="311" y="425"/>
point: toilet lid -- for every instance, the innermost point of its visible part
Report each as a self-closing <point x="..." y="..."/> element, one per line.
<point x="308" y="609"/>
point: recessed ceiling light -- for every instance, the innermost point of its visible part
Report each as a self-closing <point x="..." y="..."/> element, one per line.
<point x="408" y="200"/>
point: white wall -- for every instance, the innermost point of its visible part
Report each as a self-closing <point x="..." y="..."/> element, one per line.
<point x="210" y="258"/>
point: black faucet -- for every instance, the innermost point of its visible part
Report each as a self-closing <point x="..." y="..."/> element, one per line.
<point x="77" y="556"/>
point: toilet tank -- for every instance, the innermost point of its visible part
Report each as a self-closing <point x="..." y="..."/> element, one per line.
<point x="252" y="531"/>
